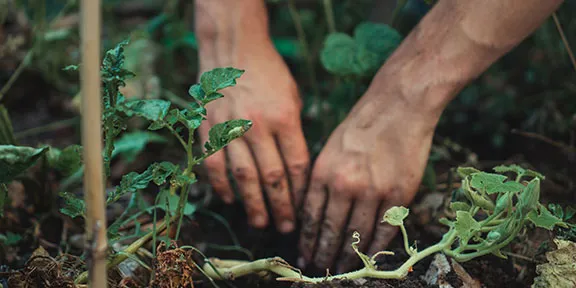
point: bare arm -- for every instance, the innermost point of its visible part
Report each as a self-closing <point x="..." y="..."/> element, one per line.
<point x="376" y="157"/>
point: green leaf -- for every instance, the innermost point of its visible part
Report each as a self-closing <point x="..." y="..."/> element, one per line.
<point x="570" y="212"/>
<point x="16" y="159"/>
<point x="530" y="197"/>
<point x="494" y="183"/>
<point x="362" y="55"/>
<point x="190" y="119"/>
<point x="151" y="109"/>
<point x="161" y="171"/>
<point x="544" y="219"/>
<point x="218" y="79"/>
<point x="69" y="160"/>
<point x="133" y="143"/>
<point x="222" y="134"/>
<point x="534" y="174"/>
<point x="378" y="38"/>
<point x="73" y="205"/>
<point x="459" y="206"/>
<point x="132" y="182"/>
<point x="196" y="92"/>
<point x="10" y="239"/>
<point x="182" y="180"/>
<point x="511" y="168"/>
<point x="465" y="226"/>
<point x="170" y="202"/>
<point x="340" y="56"/>
<point x="463" y="172"/>
<point x="395" y="216"/>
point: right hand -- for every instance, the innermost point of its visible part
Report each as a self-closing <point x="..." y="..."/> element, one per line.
<point x="273" y="156"/>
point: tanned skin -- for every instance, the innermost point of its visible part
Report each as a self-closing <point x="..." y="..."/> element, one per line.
<point x="376" y="157"/>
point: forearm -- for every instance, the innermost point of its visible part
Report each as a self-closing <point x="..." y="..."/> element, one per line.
<point x="223" y="26"/>
<point x="456" y="42"/>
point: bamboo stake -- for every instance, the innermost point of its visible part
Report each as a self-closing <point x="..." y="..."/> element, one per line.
<point x="96" y="245"/>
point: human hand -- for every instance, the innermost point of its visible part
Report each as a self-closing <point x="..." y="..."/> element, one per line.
<point x="273" y="154"/>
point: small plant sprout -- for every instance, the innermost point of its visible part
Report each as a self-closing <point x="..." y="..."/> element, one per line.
<point x="490" y="211"/>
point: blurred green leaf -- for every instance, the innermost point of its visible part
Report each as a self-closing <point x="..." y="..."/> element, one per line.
<point x="544" y="219"/>
<point x="395" y="215"/>
<point x="69" y="160"/>
<point x="16" y="159"/>
<point x="133" y="143"/>
<point x="151" y="109"/>
<point x="494" y="183"/>
<point x="466" y="226"/>
<point x="219" y="78"/>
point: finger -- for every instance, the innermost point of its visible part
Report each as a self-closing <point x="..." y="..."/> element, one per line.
<point x="273" y="177"/>
<point x="362" y="221"/>
<point x="383" y="233"/>
<point x="312" y="215"/>
<point x="330" y="237"/>
<point x="246" y="176"/>
<point x="296" y="158"/>
<point x="216" y="168"/>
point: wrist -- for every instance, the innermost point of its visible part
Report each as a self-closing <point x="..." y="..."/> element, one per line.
<point x="226" y="28"/>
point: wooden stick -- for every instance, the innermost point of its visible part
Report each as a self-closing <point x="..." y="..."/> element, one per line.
<point x="97" y="245"/>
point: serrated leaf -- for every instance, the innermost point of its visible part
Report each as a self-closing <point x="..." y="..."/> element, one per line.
<point x="16" y="159"/>
<point x="510" y="168"/>
<point x="463" y="172"/>
<point x="161" y="171"/>
<point x="130" y="183"/>
<point x="73" y="205"/>
<point x="133" y="143"/>
<point x="459" y="206"/>
<point x="151" y="109"/>
<point x="494" y="183"/>
<point x="196" y="92"/>
<point x="465" y="226"/>
<point x="535" y="174"/>
<point x="69" y="160"/>
<point x="544" y="219"/>
<point x="222" y="134"/>
<point x="218" y="79"/>
<point x="395" y="215"/>
<point x="190" y="119"/>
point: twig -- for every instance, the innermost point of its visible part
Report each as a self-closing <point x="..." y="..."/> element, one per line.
<point x="48" y="127"/>
<point x="565" y="40"/>
<point x="16" y="73"/>
<point x="329" y="11"/>
<point x="92" y="142"/>
<point x="305" y="49"/>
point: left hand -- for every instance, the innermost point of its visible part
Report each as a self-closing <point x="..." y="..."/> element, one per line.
<point x="374" y="160"/>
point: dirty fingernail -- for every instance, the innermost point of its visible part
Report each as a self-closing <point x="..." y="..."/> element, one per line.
<point x="286" y="226"/>
<point x="259" y="221"/>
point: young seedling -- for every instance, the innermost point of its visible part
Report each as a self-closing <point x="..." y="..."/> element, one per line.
<point x="491" y="210"/>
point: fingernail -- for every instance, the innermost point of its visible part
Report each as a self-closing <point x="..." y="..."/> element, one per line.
<point x="301" y="263"/>
<point x="259" y="221"/>
<point x="286" y="226"/>
<point x="228" y="199"/>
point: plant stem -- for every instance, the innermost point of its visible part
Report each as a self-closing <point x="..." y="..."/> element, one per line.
<point x="48" y="127"/>
<point x="178" y="137"/>
<point x="407" y="247"/>
<point x="329" y="11"/>
<point x="132" y="249"/>
<point x="564" y="40"/>
<point x="184" y="192"/>
<point x="288" y="273"/>
<point x="16" y="73"/>
<point x="305" y="49"/>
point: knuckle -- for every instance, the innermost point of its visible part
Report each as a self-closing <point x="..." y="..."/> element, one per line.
<point x="273" y="177"/>
<point x="298" y="168"/>
<point x="245" y="174"/>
